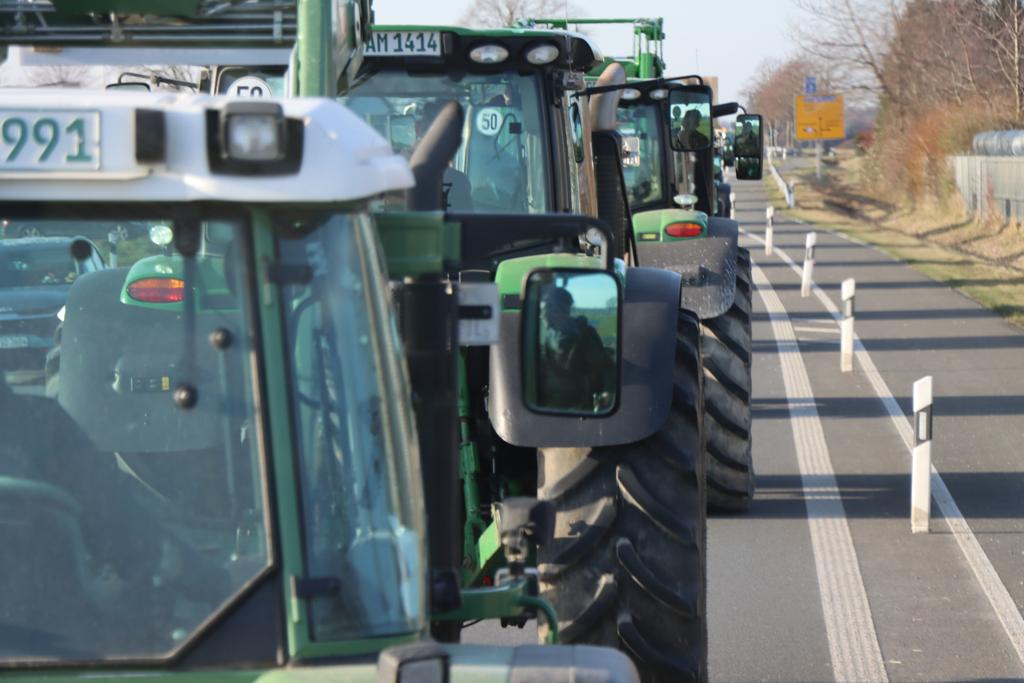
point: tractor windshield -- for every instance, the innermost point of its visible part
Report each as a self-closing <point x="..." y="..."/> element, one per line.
<point x="502" y="165"/>
<point x="361" y="511"/>
<point x="132" y="493"/>
<point x="643" y="154"/>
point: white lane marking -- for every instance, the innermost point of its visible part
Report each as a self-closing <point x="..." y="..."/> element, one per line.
<point x="816" y="330"/>
<point x="853" y="644"/>
<point x="988" y="578"/>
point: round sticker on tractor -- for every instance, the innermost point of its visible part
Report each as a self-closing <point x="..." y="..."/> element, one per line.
<point x="489" y="120"/>
<point x="249" y="86"/>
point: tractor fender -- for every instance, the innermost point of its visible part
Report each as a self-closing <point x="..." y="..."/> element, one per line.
<point x="570" y="664"/>
<point x="707" y="267"/>
<point x="649" y="317"/>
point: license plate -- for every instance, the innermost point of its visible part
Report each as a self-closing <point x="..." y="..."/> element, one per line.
<point x="49" y="140"/>
<point x="479" y="314"/>
<point x="404" y="44"/>
<point x="13" y="342"/>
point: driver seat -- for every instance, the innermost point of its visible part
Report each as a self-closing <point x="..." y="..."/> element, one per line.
<point x="46" y="603"/>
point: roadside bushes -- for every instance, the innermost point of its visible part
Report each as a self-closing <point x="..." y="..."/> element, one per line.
<point x="907" y="160"/>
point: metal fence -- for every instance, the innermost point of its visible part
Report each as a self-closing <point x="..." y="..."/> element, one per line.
<point x="990" y="184"/>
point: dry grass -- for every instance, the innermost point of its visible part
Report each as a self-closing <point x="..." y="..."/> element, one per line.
<point x="984" y="259"/>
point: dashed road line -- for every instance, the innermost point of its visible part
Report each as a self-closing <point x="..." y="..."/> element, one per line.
<point x="817" y="330"/>
<point x="853" y="644"/>
<point x="998" y="596"/>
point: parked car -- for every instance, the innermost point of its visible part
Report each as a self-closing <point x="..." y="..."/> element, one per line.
<point x="98" y="230"/>
<point x="36" y="274"/>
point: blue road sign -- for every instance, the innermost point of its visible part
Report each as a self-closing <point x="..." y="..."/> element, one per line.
<point x="810" y="85"/>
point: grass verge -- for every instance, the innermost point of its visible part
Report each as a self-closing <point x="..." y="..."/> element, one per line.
<point x="976" y="258"/>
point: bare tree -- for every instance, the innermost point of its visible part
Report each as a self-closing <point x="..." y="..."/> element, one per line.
<point x="58" y="76"/>
<point x="1000" y="24"/>
<point x="772" y="91"/>
<point x="499" y="13"/>
<point x="852" y="37"/>
<point x="175" y="72"/>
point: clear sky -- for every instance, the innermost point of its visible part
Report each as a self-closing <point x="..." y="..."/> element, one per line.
<point x="724" y="38"/>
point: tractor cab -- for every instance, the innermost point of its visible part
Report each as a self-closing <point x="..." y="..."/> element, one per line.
<point x="535" y="149"/>
<point x="147" y="507"/>
<point x="680" y="202"/>
<point x="511" y="84"/>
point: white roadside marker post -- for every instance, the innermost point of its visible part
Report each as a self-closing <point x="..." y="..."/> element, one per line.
<point x="846" y="326"/>
<point x="921" y="466"/>
<point x="808" y="272"/>
<point x="114" y="239"/>
<point x="732" y="205"/>
<point x="769" y="229"/>
<point x="791" y="195"/>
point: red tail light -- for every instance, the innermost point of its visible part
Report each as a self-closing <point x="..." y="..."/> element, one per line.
<point x="684" y="229"/>
<point x="157" y="290"/>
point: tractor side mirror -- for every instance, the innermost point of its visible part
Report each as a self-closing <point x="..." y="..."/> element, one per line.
<point x="748" y="146"/>
<point x="689" y="116"/>
<point x="129" y="85"/>
<point x="724" y="109"/>
<point x="572" y="341"/>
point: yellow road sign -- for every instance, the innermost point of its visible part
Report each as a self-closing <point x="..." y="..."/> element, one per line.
<point x="820" y="117"/>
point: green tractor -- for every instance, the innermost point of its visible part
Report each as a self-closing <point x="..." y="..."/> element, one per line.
<point x="625" y="473"/>
<point x="674" y="230"/>
<point x="227" y="480"/>
<point x="680" y="208"/>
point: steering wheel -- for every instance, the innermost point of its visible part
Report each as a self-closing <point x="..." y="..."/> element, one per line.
<point x="30" y="494"/>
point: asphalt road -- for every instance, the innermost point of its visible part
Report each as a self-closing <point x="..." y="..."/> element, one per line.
<point x="822" y="580"/>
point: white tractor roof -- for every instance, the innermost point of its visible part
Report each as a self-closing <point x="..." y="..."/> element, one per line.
<point x="150" y="56"/>
<point x="343" y="158"/>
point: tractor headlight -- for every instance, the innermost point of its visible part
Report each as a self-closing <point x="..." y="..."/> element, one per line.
<point x="630" y="94"/>
<point x="489" y="54"/>
<point x="594" y="237"/>
<point x="542" y="54"/>
<point x="251" y="137"/>
<point x="658" y="94"/>
<point x="254" y="136"/>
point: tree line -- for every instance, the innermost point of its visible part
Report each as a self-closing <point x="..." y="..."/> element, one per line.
<point x="932" y="72"/>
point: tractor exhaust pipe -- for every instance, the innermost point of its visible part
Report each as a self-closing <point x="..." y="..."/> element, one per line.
<point x="428" y="320"/>
<point x="432" y="156"/>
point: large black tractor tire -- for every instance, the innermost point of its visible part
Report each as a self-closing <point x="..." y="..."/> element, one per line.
<point x="627" y="565"/>
<point x="727" y="349"/>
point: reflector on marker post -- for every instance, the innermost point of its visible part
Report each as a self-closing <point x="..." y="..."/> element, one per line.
<point x="846" y="326"/>
<point x="921" y="465"/>
<point x="808" y="272"/>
